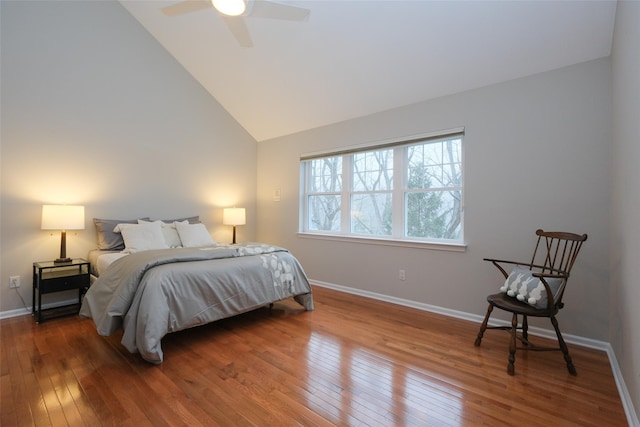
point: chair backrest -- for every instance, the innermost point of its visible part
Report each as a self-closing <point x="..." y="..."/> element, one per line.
<point x="556" y="251"/>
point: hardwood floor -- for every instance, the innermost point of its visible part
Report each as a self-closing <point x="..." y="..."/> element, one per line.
<point x="352" y="361"/>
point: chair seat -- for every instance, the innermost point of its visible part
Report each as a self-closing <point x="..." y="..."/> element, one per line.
<point x="505" y="302"/>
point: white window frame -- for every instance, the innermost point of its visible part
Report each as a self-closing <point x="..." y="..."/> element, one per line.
<point x="398" y="237"/>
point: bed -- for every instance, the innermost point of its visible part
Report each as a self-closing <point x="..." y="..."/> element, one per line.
<point x="151" y="292"/>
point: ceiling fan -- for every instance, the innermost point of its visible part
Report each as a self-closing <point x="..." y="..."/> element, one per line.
<point x="233" y="13"/>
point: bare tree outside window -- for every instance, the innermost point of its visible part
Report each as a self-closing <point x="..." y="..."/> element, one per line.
<point x="434" y="190"/>
<point x="421" y="200"/>
<point x="325" y="178"/>
<point x="371" y="200"/>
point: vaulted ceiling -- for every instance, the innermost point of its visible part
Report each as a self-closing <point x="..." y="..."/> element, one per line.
<point x="352" y="58"/>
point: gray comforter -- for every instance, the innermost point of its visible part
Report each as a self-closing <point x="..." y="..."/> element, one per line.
<point x="152" y="293"/>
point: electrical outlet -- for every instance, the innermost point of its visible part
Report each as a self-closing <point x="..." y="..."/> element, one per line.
<point x="14" y="282"/>
<point x="401" y="274"/>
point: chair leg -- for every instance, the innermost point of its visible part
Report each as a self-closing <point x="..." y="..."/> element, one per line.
<point x="483" y="327"/>
<point x="525" y="330"/>
<point x="563" y="347"/>
<point x="512" y="345"/>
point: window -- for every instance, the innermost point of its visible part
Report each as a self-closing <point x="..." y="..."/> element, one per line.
<point x="409" y="189"/>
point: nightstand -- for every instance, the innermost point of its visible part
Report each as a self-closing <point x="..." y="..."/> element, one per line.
<point x="49" y="277"/>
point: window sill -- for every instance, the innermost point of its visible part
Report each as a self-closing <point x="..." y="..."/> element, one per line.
<point x="451" y="247"/>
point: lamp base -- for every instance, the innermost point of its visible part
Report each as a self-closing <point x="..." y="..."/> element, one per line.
<point x="63" y="249"/>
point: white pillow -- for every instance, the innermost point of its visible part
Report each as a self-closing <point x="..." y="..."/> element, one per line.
<point x="142" y="237"/>
<point x="194" y="235"/>
<point x="171" y="237"/>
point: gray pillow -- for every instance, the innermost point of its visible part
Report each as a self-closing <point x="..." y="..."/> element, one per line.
<point x="522" y="285"/>
<point x="107" y="239"/>
<point x="191" y="219"/>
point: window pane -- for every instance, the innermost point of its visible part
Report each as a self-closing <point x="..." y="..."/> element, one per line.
<point x="371" y="214"/>
<point x="373" y="171"/>
<point x="324" y="213"/>
<point x="325" y="175"/>
<point x="435" y="164"/>
<point x="433" y="214"/>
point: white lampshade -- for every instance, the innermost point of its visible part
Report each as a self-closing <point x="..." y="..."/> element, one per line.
<point x="62" y="217"/>
<point x="230" y="7"/>
<point x="234" y="216"/>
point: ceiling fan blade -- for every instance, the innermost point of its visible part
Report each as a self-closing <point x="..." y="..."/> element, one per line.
<point x="186" y="7"/>
<point x="267" y="9"/>
<point x="239" y="29"/>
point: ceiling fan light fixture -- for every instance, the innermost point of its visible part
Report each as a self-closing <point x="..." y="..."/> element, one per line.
<point x="230" y="7"/>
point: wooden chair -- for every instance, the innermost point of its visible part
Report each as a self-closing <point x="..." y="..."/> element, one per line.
<point x="529" y="285"/>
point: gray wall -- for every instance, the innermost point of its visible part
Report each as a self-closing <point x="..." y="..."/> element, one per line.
<point x="625" y="232"/>
<point x="96" y="112"/>
<point x="537" y="155"/>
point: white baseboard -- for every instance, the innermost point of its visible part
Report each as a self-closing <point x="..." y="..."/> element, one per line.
<point x="27" y="310"/>
<point x="627" y="403"/>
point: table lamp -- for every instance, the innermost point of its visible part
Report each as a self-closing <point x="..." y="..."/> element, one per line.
<point x="62" y="217"/>
<point x="234" y="216"/>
